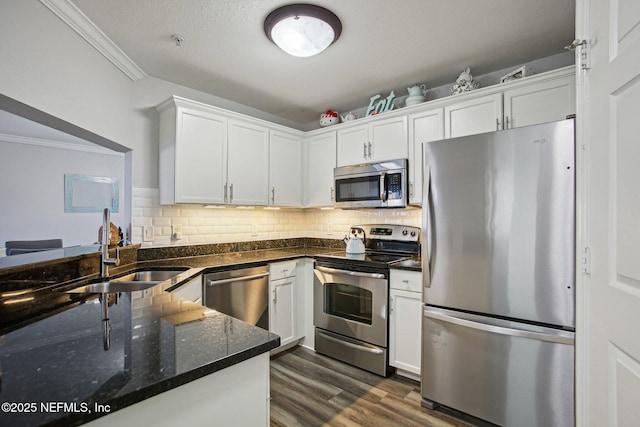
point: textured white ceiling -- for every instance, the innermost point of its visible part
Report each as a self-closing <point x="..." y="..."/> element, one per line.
<point x="384" y="45"/>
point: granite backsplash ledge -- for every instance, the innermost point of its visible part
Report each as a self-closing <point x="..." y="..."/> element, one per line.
<point x="165" y="252"/>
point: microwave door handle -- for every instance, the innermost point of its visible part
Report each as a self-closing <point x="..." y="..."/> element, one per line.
<point x="384" y="192"/>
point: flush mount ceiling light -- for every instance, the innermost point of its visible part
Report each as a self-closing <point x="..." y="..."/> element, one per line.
<point x="302" y="30"/>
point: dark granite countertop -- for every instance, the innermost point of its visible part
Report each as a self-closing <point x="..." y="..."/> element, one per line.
<point x="52" y="350"/>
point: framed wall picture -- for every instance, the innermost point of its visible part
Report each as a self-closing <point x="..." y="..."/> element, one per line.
<point x="84" y="193"/>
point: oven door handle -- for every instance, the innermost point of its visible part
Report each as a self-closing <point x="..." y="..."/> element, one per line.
<point x="350" y="273"/>
<point x="348" y="344"/>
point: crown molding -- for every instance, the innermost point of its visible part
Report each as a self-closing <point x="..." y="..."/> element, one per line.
<point x="49" y="143"/>
<point x="81" y="24"/>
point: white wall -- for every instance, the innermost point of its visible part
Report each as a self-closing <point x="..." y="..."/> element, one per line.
<point x="47" y="65"/>
<point x="32" y="189"/>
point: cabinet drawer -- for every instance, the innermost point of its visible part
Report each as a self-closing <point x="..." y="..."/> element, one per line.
<point x="406" y="280"/>
<point x="282" y="270"/>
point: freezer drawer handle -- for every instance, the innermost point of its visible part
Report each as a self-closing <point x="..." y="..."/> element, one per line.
<point x="351" y="345"/>
<point x="350" y="273"/>
<point x="237" y="279"/>
<point x="498" y="329"/>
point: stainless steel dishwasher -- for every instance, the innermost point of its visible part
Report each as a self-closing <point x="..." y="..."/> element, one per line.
<point x="243" y="294"/>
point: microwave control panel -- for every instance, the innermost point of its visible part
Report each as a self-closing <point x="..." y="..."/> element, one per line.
<point x="394" y="186"/>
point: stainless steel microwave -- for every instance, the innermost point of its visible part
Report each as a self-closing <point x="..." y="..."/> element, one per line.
<point x="371" y="185"/>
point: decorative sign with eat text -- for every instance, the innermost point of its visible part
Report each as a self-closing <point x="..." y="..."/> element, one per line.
<point x="382" y="105"/>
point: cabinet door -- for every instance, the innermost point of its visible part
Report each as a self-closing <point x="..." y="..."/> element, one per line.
<point x="193" y="166"/>
<point x="405" y="333"/>
<point x="248" y="164"/>
<point x="282" y="314"/>
<point x="388" y="139"/>
<point x="477" y="115"/>
<point x="285" y="179"/>
<point x="320" y="162"/>
<point x="423" y="127"/>
<point x="353" y="145"/>
<point x="539" y="103"/>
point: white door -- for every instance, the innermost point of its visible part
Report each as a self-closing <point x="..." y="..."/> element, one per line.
<point x="320" y="161"/>
<point x="285" y="178"/>
<point x="608" y="298"/>
<point x="248" y="164"/>
<point x="423" y="127"/>
<point x="388" y="139"/>
<point x="539" y="103"/>
<point x="354" y="146"/>
<point x="282" y="314"/>
<point x="477" y="115"/>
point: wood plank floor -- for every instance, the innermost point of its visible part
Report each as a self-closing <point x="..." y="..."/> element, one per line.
<point x="309" y="389"/>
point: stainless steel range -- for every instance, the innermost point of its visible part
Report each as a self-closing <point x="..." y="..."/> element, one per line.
<point x="351" y="295"/>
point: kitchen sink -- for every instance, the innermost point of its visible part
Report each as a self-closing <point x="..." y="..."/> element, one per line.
<point x="138" y="281"/>
<point x="148" y="276"/>
<point x="106" y="287"/>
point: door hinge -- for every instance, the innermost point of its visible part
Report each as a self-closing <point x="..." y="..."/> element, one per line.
<point x="583" y="48"/>
<point x="585" y="261"/>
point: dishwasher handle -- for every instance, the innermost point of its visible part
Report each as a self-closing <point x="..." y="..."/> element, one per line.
<point x="236" y="279"/>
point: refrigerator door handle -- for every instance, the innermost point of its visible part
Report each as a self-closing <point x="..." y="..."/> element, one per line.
<point x="426" y="229"/>
<point x="559" y="337"/>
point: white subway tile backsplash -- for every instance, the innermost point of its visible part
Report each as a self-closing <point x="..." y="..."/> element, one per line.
<point x="222" y="225"/>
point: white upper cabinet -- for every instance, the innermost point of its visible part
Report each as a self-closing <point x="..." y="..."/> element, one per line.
<point x="423" y="127"/>
<point x="285" y="164"/>
<point x="353" y="145"/>
<point x="248" y="164"/>
<point x="193" y="161"/>
<point x="541" y="102"/>
<point x="320" y="160"/>
<point x="472" y="116"/>
<point x="382" y="139"/>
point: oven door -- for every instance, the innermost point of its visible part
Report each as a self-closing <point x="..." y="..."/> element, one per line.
<point x="351" y="303"/>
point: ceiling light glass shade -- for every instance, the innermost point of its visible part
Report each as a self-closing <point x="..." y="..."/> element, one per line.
<point x="302" y="30"/>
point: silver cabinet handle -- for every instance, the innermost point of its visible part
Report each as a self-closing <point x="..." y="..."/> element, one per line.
<point x="273" y="195"/>
<point x="365" y="150"/>
<point x="497" y="124"/>
<point x="411" y="189"/>
<point x="369" y="150"/>
<point x="350" y="273"/>
<point x="506" y="122"/>
<point x="231" y="193"/>
<point x="333" y="197"/>
<point x="275" y="295"/>
<point x="225" y="192"/>
<point x="541" y="336"/>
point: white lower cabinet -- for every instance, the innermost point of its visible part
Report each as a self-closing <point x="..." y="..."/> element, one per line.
<point x="282" y="301"/>
<point x="405" y="321"/>
<point x="228" y="393"/>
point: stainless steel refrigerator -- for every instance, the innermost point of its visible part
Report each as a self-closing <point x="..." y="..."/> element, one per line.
<point x="498" y="254"/>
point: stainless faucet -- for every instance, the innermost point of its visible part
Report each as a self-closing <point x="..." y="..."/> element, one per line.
<point x="105" y="261"/>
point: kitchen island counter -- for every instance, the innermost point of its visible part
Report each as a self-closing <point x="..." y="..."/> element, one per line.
<point x="56" y="370"/>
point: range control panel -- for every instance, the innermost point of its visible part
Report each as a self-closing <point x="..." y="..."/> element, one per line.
<point x="387" y="232"/>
